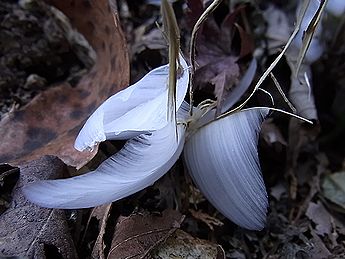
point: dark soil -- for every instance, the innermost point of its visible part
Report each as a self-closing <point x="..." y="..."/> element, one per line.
<point x="34" y="53"/>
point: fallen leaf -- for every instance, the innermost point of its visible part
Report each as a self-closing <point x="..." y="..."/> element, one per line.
<point x="333" y="188"/>
<point x="320" y="216"/>
<point x="26" y="230"/>
<point x="301" y="141"/>
<point x="319" y="249"/>
<point x="313" y="182"/>
<point x="8" y="179"/>
<point x="152" y="40"/>
<point x="102" y="214"/>
<point x="247" y="41"/>
<point x="217" y="64"/>
<point x="51" y="121"/>
<point x="226" y="74"/>
<point x="183" y="245"/>
<point x="135" y="236"/>
<point x="195" y="9"/>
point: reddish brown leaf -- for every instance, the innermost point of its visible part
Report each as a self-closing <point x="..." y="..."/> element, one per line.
<point x="195" y="9"/>
<point x="51" y="121"/>
<point x="247" y="42"/>
<point x="135" y="236"/>
<point x="217" y="62"/>
<point x="25" y="228"/>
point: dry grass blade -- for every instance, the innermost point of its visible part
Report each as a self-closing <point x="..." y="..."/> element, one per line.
<point x="281" y="111"/>
<point x="173" y="35"/>
<point x="308" y="35"/>
<point x="276" y="83"/>
<point x="275" y="62"/>
<point x="196" y="28"/>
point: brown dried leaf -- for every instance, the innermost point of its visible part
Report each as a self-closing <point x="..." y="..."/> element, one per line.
<point x="51" y="121"/>
<point x="226" y="75"/>
<point x="25" y="228"/>
<point x="319" y="249"/>
<point x="247" y="41"/>
<point x="320" y="216"/>
<point x="152" y="40"/>
<point x="183" y="245"/>
<point x="135" y="236"/>
<point x="102" y="214"/>
<point x="301" y="139"/>
<point x="216" y="64"/>
<point x="195" y="9"/>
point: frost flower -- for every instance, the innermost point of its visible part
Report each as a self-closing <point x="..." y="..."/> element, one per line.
<point x="221" y="155"/>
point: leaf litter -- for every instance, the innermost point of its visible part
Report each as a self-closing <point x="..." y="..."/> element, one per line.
<point x="305" y="219"/>
<point x="50" y="122"/>
<point x="27" y="230"/>
<point x="216" y="61"/>
<point x="138" y="233"/>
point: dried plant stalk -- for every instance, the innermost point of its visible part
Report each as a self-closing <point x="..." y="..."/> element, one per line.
<point x="196" y="28"/>
<point x="172" y="34"/>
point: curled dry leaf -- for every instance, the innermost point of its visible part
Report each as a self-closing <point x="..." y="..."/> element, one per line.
<point x="51" y="121"/>
<point x="135" y="236"/>
<point x="25" y="228"/>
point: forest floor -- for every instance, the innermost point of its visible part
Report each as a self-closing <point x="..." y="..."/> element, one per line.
<point x="303" y="165"/>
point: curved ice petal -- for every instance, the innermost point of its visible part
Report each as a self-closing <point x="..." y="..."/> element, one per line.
<point x="142" y="161"/>
<point x="222" y="158"/>
<point x="137" y="109"/>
